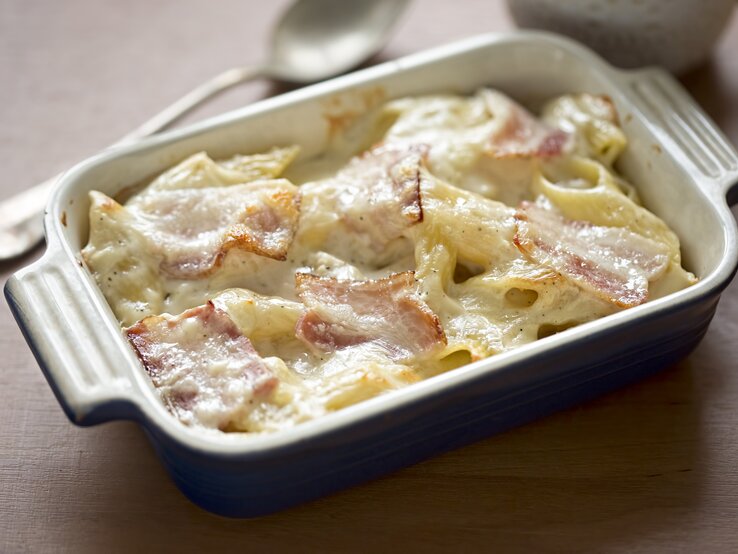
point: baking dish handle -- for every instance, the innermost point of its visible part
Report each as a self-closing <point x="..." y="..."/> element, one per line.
<point x="686" y="130"/>
<point x="61" y="323"/>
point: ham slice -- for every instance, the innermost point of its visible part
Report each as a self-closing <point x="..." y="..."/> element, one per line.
<point x="207" y="372"/>
<point x="384" y="312"/>
<point x="379" y="192"/>
<point x="611" y="262"/>
<point x="520" y="134"/>
<point x="194" y="228"/>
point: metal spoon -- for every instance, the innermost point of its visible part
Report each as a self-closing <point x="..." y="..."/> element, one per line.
<point x="314" y="40"/>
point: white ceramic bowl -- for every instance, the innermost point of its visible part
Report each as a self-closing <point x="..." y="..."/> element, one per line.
<point x="676" y="34"/>
<point x="683" y="168"/>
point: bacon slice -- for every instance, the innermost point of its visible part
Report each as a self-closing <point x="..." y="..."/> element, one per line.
<point x="385" y="312"/>
<point x="379" y="192"/>
<point x="194" y="228"/>
<point x="208" y="373"/>
<point x="520" y="134"/>
<point x="613" y="263"/>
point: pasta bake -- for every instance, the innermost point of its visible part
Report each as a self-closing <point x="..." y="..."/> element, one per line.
<point x="261" y="291"/>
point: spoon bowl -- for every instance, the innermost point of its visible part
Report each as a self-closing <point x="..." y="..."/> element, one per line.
<point x="317" y="39"/>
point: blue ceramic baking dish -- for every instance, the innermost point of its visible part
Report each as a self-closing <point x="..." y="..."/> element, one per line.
<point x="682" y="165"/>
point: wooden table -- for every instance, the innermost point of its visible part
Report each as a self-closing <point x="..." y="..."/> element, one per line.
<point x="653" y="467"/>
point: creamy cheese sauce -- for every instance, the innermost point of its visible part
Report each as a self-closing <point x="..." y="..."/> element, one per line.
<point x="469" y="229"/>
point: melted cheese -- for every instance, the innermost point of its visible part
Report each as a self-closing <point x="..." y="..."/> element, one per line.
<point x="468" y="228"/>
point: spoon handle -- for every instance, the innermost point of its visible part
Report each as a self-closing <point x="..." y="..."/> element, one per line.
<point x="21" y="222"/>
<point x="192" y="99"/>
